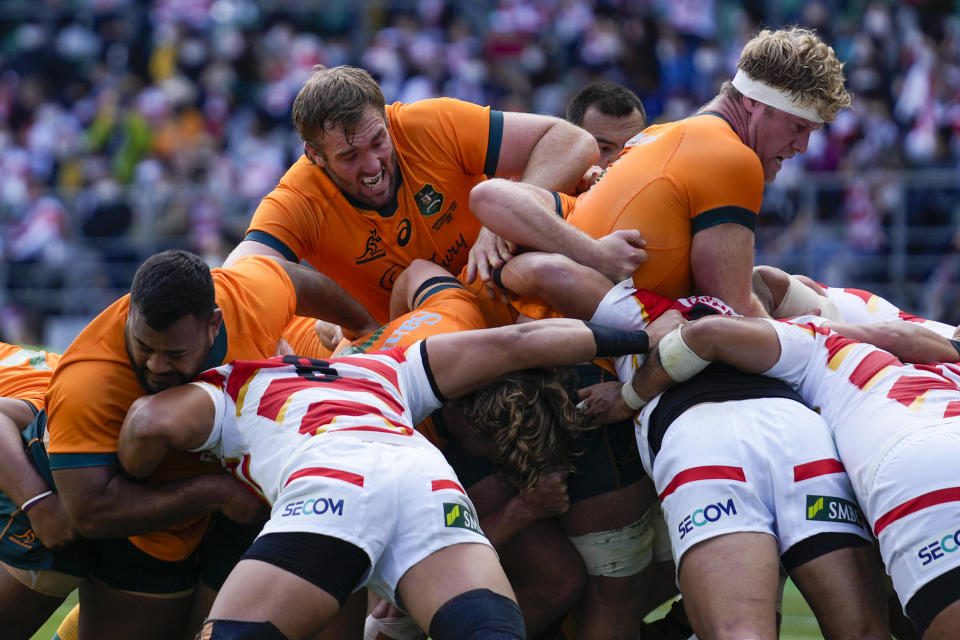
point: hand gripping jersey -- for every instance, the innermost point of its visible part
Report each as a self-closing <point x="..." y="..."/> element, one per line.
<point x="671" y="182"/>
<point x="25" y="374"/>
<point x="444" y="147"/>
<point x="626" y="307"/>
<point x="270" y="412"/>
<point x="94" y="385"/>
<point x="857" y="305"/>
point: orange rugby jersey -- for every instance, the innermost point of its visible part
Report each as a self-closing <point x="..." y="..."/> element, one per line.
<point x="94" y="385"/>
<point x="25" y="374"/>
<point x="444" y="147"/>
<point x="447" y="307"/>
<point x="670" y="182"/>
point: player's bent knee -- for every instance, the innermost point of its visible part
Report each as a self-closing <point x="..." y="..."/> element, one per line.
<point x="480" y="614"/>
<point x="221" y="629"/>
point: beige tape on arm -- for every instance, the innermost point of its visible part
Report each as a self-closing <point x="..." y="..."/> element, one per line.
<point x="629" y="395"/>
<point x="801" y="299"/>
<point x="679" y="360"/>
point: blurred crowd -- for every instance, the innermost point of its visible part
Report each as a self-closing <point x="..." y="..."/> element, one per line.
<point x="129" y="127"/>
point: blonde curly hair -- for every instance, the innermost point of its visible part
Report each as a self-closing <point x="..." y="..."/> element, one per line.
<point x="796" y="60"/>
<point x="531" y="421"/>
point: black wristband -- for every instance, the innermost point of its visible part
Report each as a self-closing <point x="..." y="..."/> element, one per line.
<point x="497" y="276"/>
<point x="956" y="345"/>
<point x="618" y="342"/>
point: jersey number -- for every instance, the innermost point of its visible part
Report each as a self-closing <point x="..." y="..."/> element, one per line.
<point x="312" y="369"/>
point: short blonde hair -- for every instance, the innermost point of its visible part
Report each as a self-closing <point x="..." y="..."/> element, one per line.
<point x="797" y="61"/>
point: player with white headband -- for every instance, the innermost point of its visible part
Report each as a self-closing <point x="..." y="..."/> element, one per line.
<point x="693" y="187"/>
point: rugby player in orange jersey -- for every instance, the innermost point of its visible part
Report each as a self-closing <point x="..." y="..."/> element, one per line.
<point x="693" y="187"/>
<point x="379" y="186"/>
<point x="611" y="113"/>
<point x="140" y="346"/>
<point x="27" y="597"/>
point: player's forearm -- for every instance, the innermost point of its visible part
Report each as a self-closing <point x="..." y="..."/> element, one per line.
<point x="526" y="215"/>
<point x="561" y="157"/>
<point x="18" y="479"/>
<point x="320" y="297"/>
<point x="500" y="527"/>
<point x="122" y="508"/>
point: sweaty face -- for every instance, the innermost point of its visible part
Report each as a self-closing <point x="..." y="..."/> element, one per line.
<point x="164" y="359"/>
<point x="611" y="132"/>
<point x="776" y="135"/>
<point x="363" y="165"/>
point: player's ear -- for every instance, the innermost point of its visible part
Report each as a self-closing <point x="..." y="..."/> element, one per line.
<point x="313" y="154"/>
<point x="216" y="319"/>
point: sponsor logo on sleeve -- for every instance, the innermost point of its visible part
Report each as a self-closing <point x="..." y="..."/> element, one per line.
<point x="831" y="509"/>
<point x="724" y="509"/>
<point x="940" y="547"/>
<point x="411" y="324"/>
<point x="460" y="516"/>
<point x="314" y="507"/>
<point x="639" y="139"/>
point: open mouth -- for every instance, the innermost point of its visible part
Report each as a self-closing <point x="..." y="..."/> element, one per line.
<point x="374" y="182"/>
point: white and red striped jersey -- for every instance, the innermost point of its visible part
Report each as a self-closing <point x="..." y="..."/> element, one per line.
<point x="269" y="411"/>
<point x="868" y="397"/>
<point x="636" y="308"/>
<point x="857" y="305"/>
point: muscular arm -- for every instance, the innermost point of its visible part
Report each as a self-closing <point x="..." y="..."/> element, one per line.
<point x="18" y="479"/>
<point x="179" y="418"/>
<point x="466" y="360"/>
<point x="552" y="278"/>
<point x="909" y="342"/>
<point x="502" y="523"/>
<point x="749" y="344"/>
<point x="721" y="259"/>
<point x="525" y="215"/>
<point x="320" y="297"/>
<point x="105" y="504"/>
<point x="545" y="151"/>
<point x="21" y="482"/>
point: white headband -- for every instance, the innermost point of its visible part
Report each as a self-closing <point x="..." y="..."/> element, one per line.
<point x="773" y="97"/>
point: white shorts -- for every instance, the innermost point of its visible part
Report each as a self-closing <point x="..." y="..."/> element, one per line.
<point x="399" y="503"/>
<point x="764" y="465"/>
<point x="914" y="507"/>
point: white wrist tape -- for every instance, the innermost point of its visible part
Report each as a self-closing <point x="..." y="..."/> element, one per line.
<point x="801" y="299"/>
<point x="677" y="359"/>
<point x="630" y="396"/>
<point x="774" y="97"/>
